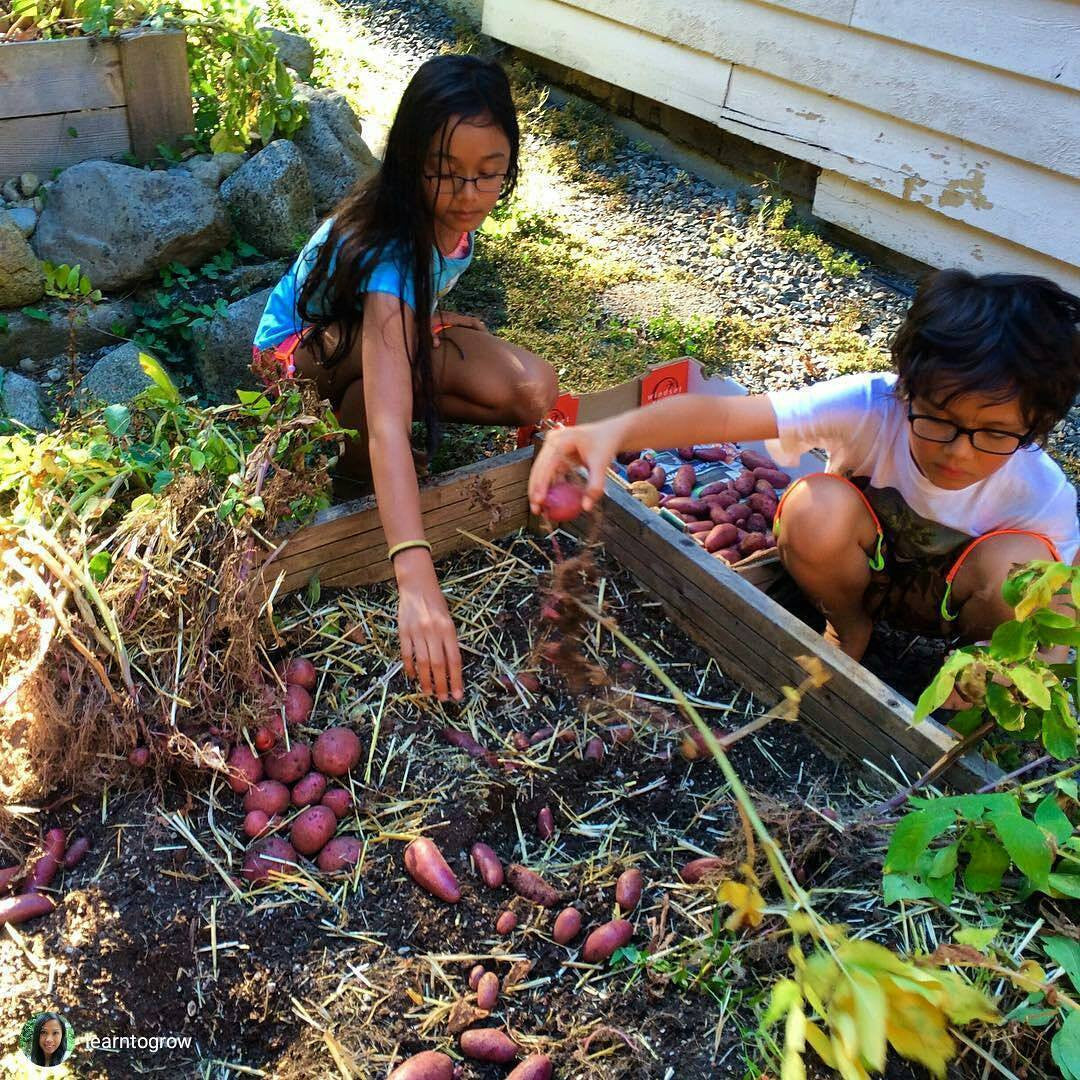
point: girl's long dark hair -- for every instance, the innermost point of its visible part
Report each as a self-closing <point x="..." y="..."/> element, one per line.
<point x="37" y="1055"/>
<point x="392" y="210"/>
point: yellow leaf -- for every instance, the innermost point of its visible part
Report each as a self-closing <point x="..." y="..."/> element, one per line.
<point x="784" y="997"/>
<point x="792" y="1067"/>
<point x="747" y="902"/>
<point x="820" y="1043"/>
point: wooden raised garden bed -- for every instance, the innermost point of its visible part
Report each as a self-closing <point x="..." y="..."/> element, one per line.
<point x="72" y="99"/>
<point x="753" y="638"/>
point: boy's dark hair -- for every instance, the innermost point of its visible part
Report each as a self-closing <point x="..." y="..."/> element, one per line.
<point x="1002" y="335"/>
<point x="392" y="210"/>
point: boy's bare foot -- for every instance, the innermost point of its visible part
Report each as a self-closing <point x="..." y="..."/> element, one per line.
<point x="853" y="638"/>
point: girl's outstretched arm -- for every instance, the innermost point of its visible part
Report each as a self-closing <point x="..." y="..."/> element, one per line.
<point x="675" y="421"/>
<point x="429" y="645"/>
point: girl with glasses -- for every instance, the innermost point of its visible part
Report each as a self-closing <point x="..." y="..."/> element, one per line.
<point x="360" y="313"/>
<point x="937" y="484"/>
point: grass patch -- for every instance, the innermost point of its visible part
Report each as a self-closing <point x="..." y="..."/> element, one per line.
<point x="848" y="348"/>
<point x="799" y="237"/>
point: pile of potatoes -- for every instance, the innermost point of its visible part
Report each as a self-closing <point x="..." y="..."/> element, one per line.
<point x="425" y="864"/>
<point x="281" y="777"/>
<point x="731" y="519"/>
<point x="31" y="882"/>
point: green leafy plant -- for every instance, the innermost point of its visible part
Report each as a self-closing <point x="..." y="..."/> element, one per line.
<point x="795" y="236"/>
<point x="1011" y="679"/>
<point x="978" y="839"/>
<point x="69" y="283"/>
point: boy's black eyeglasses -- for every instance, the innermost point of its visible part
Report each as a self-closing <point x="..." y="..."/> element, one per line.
<point x="486" y="182"/>
<point x="986" y="440"/>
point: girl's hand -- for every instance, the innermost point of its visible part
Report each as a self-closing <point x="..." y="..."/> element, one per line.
<point x="444" y="319"/>
<point x="429" y="645"/>
<point x="565" y="448"/>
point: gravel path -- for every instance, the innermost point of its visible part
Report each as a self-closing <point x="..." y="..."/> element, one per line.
<point x="702" y="239"/>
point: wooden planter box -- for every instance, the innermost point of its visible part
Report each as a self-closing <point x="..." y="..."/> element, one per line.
<point x="73" y="99"/>
<point x="753" y="638"/>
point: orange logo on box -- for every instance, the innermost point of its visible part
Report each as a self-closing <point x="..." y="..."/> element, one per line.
<point x="565" y="413"/>
<point x="667" y="381"/>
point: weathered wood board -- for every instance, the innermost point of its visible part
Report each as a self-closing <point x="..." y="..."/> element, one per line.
<point x="754" y="639"/>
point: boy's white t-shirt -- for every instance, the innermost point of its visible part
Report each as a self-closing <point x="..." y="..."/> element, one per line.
<point x="862" y="424"/>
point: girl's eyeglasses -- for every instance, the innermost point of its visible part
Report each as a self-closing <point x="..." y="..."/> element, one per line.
<point x="489" y="183"/>
<point x="986" y="440"/>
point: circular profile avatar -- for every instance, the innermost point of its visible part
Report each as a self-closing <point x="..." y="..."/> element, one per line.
<point x="47" y="1039"/>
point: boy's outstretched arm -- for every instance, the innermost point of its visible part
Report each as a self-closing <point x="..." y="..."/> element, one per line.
<point x="675" y="421"/>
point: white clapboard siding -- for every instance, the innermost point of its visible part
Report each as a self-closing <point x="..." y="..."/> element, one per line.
<point x="1038" y="38"/>
<point x="981" y="105"/>
<point x="964" y="124"/>
<point x="990" y="191"/>
<point x="597" y="46"/>
<point x="917" y="231"/>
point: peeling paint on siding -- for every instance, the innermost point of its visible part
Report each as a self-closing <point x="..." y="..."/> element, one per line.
<point x="966" y="189"/>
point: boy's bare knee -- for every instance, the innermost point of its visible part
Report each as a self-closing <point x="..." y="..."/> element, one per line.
<point x="534" y="396"/>
<point x="978" y="582"/>
<point x="823" y="516"/>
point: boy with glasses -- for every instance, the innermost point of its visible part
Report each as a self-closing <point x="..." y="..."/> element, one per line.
<point x="937" y="484"/>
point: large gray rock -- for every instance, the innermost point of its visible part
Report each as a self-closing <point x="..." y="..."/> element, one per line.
<point x="116" y="378"/>
<point x="122" y="224"/>
<point x="337" y="157"/>
<point x="22" y="400"/>
<point x="270" y="199"/>
<point x="212" y="169"/>
<point x="21" y="278"/>
<point x="38" y="339"/>
<point x="294" y="50"/>
<point x="223" y="352"/>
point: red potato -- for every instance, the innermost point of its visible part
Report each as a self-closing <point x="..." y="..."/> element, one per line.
<point x="716" y="487"/>
<point x="245" y="769"/>
<point x="427" y="1065"/>
<point x="694" y="527"/>
<point x="301" y="672"/>
<point x="562" y="502"/>
<point x="682" y="483"/>
<point x="567" y="926"/>
<point x="541" y="734"/>
<point x="719" y="452"/>
<point x="519" y="740"/>
<point x="45" y="867"/>
<point x="639" y="469"/>
<point x="139" y="758"/>
<point x="487" y="991"/>
<point x="719" y="515"/>
<point x="744" y="483"/>
<point x="488" y="1044"/>
<point x="685" y="505"/>
<point x="755" y="523"/>
<point x="255" y="822"/>
<point x="763" y="487"/>
<point x="336" y="751"/>
<point x="624" y="457"/>
<point x="427" y="867"/>
<point x="264" y="739"/>
<point x="270" y="796"/>
<point x="763" y="502"/>
<point x="75" y="852"/>
<point x="487" y="865"/>
<point x="721" y="536"/>
<point x="340" y="853"/>
<point x="545" y="824"/>
<point x="723" y="500"/>
<point x="697" y="870"/>
<point x="604" y="940"/>
<point x="530" y="885"/>
<point x="506" y="923"/>
<point x="528" y="681"/>
<point x="686" y="453"/>
<point x="475" y="975"/>
<point x="738" y="512"/>
<point x="693" y="743"/>
<point x="770" y="540"/>
<point x="18" y="909"/>
<point x="594" y="749"/>
<point x="463" y="741"/>
<point x="658" y="477"/>
<point x="729" y="555"/>
<point x="752" y="459"/>
<point x="534" y="1067"/>
<point x="288" y="765"/>
<point x="267" y="856"/>
<point x="755" y="541"/>
<point x="309" y="789"/>
<point x="628" y="889"/>
<point x="298" y="705"/>
<point x="339" y="800"/>
<point x="312" y="829"/>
